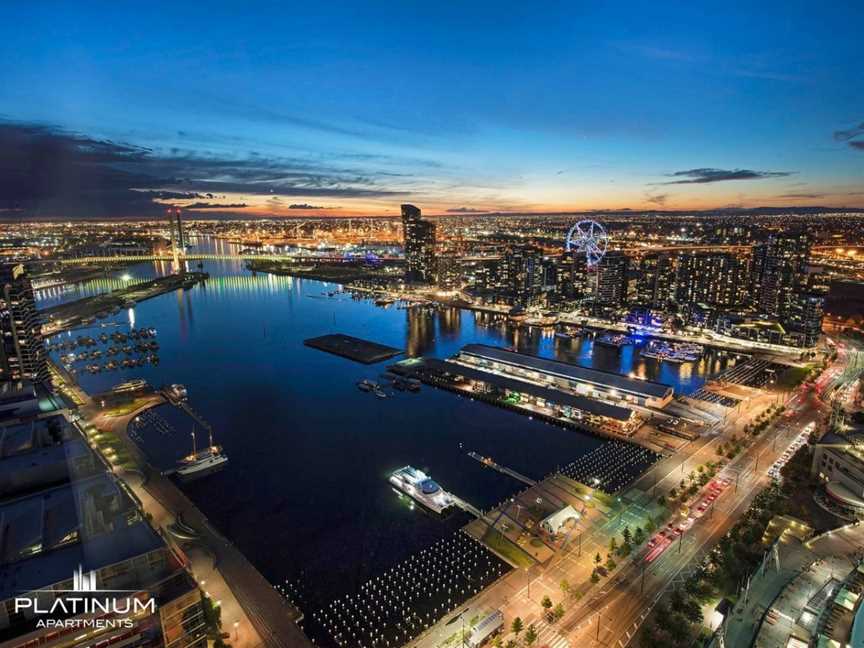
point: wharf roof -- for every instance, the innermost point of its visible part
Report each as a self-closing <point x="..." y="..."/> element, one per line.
<point x="583" y="403"/>
<point x="609" y="379"/>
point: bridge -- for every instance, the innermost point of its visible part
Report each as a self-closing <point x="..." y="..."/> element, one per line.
<point x="194" y="256"/>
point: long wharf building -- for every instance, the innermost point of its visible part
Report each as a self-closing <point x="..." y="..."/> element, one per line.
<point x="594" y="383"/>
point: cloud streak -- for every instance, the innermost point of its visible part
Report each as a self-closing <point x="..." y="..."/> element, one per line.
<point x="45" y="171"/>
<point x="709" y="175"/>
<point x="308" y="206"/>
<point x="851" y="136"/>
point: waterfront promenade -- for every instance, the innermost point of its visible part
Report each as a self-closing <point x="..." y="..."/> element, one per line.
<point x="253" y="613"/>
<point x="262" y="616"/>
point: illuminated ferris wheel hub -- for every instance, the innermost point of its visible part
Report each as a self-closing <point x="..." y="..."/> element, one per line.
<point x="589" y="238"/>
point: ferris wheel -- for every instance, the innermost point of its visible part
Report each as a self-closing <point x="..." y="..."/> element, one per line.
<point x="589" y="238"/>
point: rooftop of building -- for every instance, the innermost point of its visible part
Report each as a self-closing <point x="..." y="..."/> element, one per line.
<point x="609" y="379"/>
<point x="18" y="436"/>
<point x="44" y="536"/>
<point x="14" y="391"/>
<point x="583" y="403"/>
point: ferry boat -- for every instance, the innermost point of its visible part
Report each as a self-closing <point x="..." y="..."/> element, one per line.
<point x="422" y="489"/>
<point x="201" y="462"/>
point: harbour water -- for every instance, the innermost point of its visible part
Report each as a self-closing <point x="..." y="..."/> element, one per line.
<point x="305" y="495"/>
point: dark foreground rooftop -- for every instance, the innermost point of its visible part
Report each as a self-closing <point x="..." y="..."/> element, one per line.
<point x="352" y="348"/>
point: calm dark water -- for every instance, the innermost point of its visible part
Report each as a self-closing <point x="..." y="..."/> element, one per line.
<point x="305" y="494"/>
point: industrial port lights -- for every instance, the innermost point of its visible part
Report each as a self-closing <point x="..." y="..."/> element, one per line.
<point x="590" y="238"/>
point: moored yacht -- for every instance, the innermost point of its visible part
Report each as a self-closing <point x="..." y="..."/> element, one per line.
<point x="201" y="462"/>
<point x="422" y="489"/>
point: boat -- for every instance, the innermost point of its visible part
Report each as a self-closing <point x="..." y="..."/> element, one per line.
<point x="616" y="340"/>
<point x="384" y="301"/>
<point x="563" y="336"/>
<point x="201" y="462"/>
<point x="136" y="384"/>
<point x="129" y="303"/>
<point x="379" y="392"/>
<point x="421" y="488"/>
<point x="176" y="393"/>
<point x="675" y="352"/>
<point x="366" y="385"/>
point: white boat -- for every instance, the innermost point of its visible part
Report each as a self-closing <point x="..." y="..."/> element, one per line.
<point x="422" y="489"/>
<point x="201" y="462"/>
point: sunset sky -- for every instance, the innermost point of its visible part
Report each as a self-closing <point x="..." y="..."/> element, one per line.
<point x="284" y="108"/>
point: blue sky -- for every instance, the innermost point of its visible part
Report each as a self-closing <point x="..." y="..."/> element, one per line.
<point x="358" y="106"/>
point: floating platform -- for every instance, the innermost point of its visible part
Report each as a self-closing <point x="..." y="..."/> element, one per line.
<point x="352" y="348"/>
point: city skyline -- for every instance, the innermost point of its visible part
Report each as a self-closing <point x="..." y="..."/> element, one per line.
<point x="352" y="112"/>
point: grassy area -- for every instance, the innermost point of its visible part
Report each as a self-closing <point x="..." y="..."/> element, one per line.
<point x="112" y="448"/>
<point x="794" y="376"/>
<point x="124" y="409"/>
<point x="496" y="541"/>
<point x="598" y="497"/>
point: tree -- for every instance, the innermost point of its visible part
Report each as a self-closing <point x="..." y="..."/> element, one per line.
<point x="650" y="527"/>
<point x="531" y="635"/>
<point x="558" y="612"/>
<point x="516" y="627"/>
<point x="691" y="477"/>
<point x="511" y="644"/>
<point x="613" y="546"/>
<point x="692" y="611"/>
<point x="639" y="536"/>
<point x="611" y="564"/>
<point x="626" y="535"/>
<point x="565" y="587"/>
<point x="682" y="484"/>
<point x="597" y="559"/>
<point x="498" y="642"/>
<point x="594" y="577"/>
<point x="546" y="603"/>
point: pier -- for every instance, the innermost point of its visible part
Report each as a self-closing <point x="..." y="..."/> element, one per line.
<point x="467" y="507"/>
<point x="487" y="461"/>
